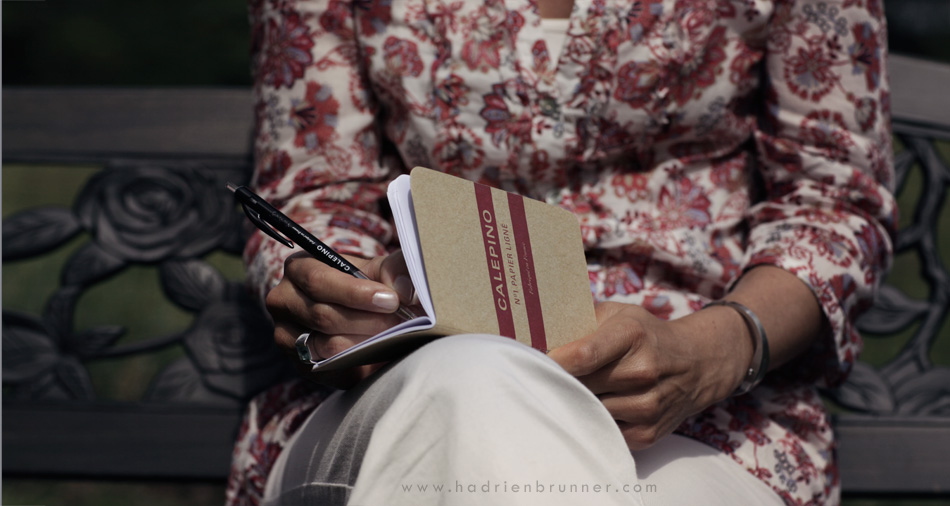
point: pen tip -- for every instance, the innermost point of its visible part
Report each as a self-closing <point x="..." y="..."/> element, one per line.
<point x="232" y="187"/>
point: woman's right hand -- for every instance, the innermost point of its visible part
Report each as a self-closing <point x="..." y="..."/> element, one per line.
<point x="337" y="309"/>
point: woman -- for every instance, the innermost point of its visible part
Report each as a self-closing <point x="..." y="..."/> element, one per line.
<point x="728" y="150"/>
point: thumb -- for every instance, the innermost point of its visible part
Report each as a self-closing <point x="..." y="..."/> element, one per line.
<point x="591" y="353"/>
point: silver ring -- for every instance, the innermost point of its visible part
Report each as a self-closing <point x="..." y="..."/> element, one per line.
<point x="303" y="351"/>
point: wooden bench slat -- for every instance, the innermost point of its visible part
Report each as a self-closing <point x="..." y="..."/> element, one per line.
<point x="894" y="454"/>
<point x="96" y="124"/>
<point x="919" y="92"/>
<point x="114" y="440"/>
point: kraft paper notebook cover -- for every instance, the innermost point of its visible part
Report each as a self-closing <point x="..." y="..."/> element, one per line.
<point x="482" y="261"/>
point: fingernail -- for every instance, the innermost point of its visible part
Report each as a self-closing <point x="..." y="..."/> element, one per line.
<point x="387" y="301"/>
<point x="403" y="286"/>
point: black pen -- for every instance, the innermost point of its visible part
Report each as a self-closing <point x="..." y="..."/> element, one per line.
<point x="267" y="218"/>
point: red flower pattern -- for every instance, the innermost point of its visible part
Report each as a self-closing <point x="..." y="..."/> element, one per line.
<point x="335" y="19"/>
<point x="809" y="73"/>
<point x="289" y="41"/>
<point x="866" y="54"/>
<point x="684" y="205"/>
<point x="631" y="185"/>
<point x="641" y="17"/>
<point x="647" y="129"/>
<point x="374" y="15"/>
<point x="402" y="57"/>
<point x="700" y="70"/>
<point x="636" y="82"/>
<point x="827" y="131"/>
<point x="482" y="48"/>
<point x="272" y="166"/>
<point x="501" y="125"/>
<point x="315" y="118"/>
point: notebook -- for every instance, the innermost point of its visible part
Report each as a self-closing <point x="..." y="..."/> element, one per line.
<point x="482" y="260"/>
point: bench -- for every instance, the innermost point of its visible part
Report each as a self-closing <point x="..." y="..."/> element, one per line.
<point x="157" y="203"/>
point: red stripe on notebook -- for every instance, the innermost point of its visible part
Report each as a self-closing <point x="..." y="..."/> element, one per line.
<point x="529" y="281"/>
<point x="496" y="274"/>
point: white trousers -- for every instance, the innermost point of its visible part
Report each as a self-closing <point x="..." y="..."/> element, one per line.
<point x="480" y="419"/>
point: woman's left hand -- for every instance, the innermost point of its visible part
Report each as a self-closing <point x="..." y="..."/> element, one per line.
<point x="652" y="374"/>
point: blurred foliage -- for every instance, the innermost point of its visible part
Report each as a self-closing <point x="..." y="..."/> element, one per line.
<point x="126" y="43"/>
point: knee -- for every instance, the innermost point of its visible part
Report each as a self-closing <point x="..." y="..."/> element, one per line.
<point x="456" y="383"/>
<point x="477" y="362"/>
<point x="476" y="351"/>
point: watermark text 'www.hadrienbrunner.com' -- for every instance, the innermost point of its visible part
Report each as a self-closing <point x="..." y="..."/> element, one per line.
<point x="503" y="487"/>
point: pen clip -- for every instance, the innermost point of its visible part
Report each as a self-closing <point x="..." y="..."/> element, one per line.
<point x="265" y="227"/>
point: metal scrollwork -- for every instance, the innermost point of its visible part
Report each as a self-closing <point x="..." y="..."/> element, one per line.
<point x="138" y="213"/>
<point x="910" y="383"/>
<point x="171" y="215"/>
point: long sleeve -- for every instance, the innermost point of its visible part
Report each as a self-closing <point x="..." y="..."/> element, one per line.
<point x="828" y="214"/>
<point x="647" y="127"/>
<point x="318" y="150"/>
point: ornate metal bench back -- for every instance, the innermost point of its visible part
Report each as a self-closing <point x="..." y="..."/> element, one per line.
<point x="167" y="214"/>
<point x="159" y="201"/>
<point x="910" y="383"/>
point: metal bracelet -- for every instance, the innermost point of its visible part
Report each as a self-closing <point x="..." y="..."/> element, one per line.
<point x="760" y="358"/>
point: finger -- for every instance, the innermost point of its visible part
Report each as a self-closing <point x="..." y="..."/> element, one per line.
<point x="641" y="437"/>
<point x="336" y="319"/>
<point x="603" y="311"/>
<point x="326" y="346"/>
<point x="642" y="419"/>
<point x="591" y="353"/>
<point x="613" y="378"/>
<point x="287" y="301"/>
<point x="285" y="335"/>
<point x="394" y="272"/>
<point x="341" y="379"/>
<point x="325" y="284"/>
<point x="639" y="408"/>
<point x="636" y="371"/>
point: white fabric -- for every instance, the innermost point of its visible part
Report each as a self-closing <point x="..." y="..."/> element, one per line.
<point x="489" y="421"/>
<point x="555" y="33"/>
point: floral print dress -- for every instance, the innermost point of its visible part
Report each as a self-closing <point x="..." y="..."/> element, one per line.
<point x="693" y="140"/>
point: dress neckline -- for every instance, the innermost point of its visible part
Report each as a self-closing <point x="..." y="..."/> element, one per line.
<point x="555" y="34"/>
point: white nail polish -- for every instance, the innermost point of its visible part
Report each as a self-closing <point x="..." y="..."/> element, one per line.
<point x="386" y="301"/>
